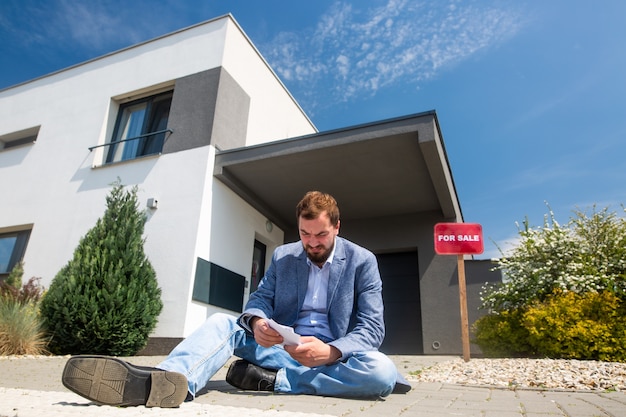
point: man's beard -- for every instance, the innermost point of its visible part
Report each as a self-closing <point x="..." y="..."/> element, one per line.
<point x="320" y="257"/>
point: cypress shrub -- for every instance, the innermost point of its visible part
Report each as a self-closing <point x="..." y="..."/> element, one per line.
<point x="106" y="299"/>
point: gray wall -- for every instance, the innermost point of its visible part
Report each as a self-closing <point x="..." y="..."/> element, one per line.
<point x="438" y="295"/>
<point x="477" y="273"/>
<point x="207" y="108"/>
<point x="440" y="306"/>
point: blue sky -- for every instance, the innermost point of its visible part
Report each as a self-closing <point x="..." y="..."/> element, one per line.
<point x="530" y="95"/>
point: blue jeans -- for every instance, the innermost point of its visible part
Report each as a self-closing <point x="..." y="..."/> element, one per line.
<point x="206" y="350"/>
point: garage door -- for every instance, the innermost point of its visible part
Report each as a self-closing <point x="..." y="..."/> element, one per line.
<point x="401" y="295"/>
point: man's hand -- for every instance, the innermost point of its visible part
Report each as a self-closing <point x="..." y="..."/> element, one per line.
<point x="313" y="352"/>
<point x="263" y="334"/>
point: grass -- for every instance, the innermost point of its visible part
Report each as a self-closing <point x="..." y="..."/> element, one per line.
<point x="21" y="331"/>
<point x="419" y="371"/>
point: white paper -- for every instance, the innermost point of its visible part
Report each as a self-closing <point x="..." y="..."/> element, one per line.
<point x="289" y="336"/>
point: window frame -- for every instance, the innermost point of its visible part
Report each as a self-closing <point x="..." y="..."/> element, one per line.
<point x="18" y="251"/>
<point x="19" y="139"/>
<point x="151" y="134"/>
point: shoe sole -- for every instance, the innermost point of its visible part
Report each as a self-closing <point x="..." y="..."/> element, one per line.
<point x="112" y="381"/>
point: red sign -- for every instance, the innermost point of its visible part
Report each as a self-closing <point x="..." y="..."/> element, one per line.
<point x="458" y="239"/>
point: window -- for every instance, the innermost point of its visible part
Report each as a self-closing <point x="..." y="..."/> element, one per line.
<point x="140" y="128"/>
<point x="12" y="249"/>
<point x="23" y="137"/>
<point x="258" y="265"/>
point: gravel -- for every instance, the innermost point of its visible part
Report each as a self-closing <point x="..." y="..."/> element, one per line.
<point x="528" y="373"/>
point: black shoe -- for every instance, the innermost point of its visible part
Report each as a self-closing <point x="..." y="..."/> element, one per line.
<point x="111" y="381"/>
<point x="246" y="376"/>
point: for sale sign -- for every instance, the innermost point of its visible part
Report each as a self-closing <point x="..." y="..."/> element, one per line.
<point x="458" y="239"/>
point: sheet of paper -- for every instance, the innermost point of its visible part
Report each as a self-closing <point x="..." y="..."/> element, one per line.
<point x="290" y="337"/>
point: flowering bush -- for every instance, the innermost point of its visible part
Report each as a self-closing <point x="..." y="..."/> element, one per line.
<point x="586" y="255"/>
<point x="564" y="292"/>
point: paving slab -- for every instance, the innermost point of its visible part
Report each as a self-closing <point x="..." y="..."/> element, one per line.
<point x="31" y="386"/>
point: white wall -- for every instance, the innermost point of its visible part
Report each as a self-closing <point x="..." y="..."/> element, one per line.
<point x="53" y="184"/>
<point x="251" y="71"/>
<point x="234" y="226"/>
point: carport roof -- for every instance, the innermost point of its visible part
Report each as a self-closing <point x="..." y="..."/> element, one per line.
<point x="392" y="167"/>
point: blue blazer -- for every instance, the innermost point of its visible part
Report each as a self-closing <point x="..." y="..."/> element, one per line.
<point x="355" y="302"/>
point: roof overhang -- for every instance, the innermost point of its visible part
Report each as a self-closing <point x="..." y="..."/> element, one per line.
<point x="388" y="168"/>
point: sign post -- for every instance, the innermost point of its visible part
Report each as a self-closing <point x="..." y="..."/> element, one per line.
<point x="460" y="239"/>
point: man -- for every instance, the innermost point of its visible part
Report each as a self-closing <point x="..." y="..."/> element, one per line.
<point x="327" y="289"/>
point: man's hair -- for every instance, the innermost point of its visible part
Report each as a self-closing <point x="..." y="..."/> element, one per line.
<point x="314" y="203"/>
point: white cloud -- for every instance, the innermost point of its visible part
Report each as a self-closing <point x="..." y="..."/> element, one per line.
<point x="351" y="51"/>
<point x="504" y="246"/>
<point x="343" y="65"/>
<point x="91" y="24"/>
<point x="94" y="27"/>
<point x="358" y="51"/>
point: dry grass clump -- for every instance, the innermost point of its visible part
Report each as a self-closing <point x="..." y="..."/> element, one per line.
<point x="21" y="332"/>
<point x="21" y="328"/>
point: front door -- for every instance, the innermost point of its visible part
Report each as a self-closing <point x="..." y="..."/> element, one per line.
<point x="401" y="295"/>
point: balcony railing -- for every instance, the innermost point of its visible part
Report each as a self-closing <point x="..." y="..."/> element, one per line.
<point x="141" y="149"/>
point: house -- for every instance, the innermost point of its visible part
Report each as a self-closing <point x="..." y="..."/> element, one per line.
<point x="221" y="153"/>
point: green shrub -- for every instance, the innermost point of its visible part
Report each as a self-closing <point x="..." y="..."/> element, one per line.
<point x="15" y="276"/>
<point x="578" y="326"/>
<point x="106" y="299"/>
<point x="565" y="325"/>
<point x="502" y="335"/>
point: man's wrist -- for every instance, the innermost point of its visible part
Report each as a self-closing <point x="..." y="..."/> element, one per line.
<point x="335" y="354"/>
<point x="252" y="321"/>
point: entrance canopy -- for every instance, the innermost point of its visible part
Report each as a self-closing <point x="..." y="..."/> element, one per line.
<point x="388" y="168"/>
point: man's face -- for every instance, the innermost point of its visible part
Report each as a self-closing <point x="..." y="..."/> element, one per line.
<point x="318" y="237"/>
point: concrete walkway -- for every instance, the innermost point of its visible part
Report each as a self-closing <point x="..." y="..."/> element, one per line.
<point x="32" y="387"/>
